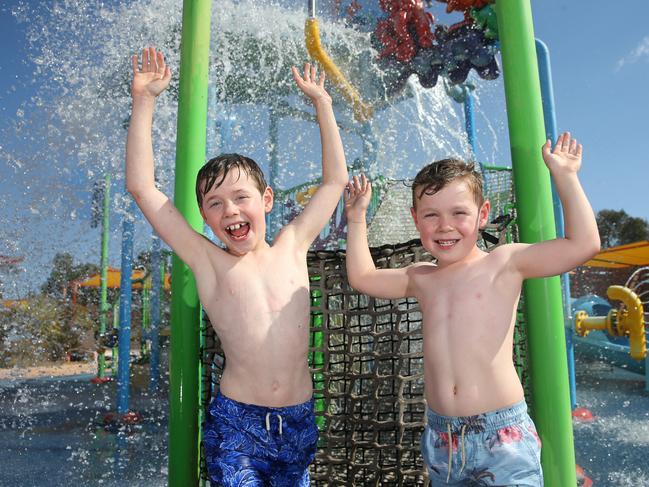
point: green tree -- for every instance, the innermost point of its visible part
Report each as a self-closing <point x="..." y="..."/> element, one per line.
<point x="42" y="330"/>
<point x="616" y="227"/>
<point x="63" y="272"/>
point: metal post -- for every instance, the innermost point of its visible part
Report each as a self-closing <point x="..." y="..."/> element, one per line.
<point x="549" y="115"/>
<point x="544" y="311"/>
<point x="125" y="284"/>
<point x="185" y="307"/>
<point x="469" y="121"/>
<point x="273" y="222"/>
<point x="316" y="355"/>
<point x="103" y="304"/>
<point x="156" y="289"/>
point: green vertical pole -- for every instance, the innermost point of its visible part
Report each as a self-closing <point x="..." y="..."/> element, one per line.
<point x="316" y="356"/>
<point x="103" y="280"/>
<point x="543" y="307"/>
<point x="145" y="315"/>
<point x="185" y="307"/>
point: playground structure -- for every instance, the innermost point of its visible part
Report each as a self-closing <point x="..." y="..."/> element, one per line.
<point x="534" y="222"/>
<point x="617" y="334"/>
<point x="625" y="321"/>
<point x="543" y="310"/>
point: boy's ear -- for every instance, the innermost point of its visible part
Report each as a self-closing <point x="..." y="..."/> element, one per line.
<point x="268" y="198"/>
<point x="200" y="208"/>
<point x="413" y="213"/>
<point x="484" y="213"/>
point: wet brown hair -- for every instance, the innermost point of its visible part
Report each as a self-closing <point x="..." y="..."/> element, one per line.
<point x="214" y="172"/>
<point x="437" y="175"/>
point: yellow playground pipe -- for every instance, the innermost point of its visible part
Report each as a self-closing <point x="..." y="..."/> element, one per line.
<point x="627" y="320"/>
<point x="362" y="111"/>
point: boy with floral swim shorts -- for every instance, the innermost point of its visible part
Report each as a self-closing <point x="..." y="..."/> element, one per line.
<point x="478" y="431"/>
<point x="261" y="427"/>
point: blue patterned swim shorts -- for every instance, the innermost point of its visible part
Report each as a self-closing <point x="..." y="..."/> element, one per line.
<point x="496" y="448"/>
<point x="257" y="446"/>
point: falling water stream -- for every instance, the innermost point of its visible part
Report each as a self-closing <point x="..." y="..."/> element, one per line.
<point x="70" y="131"/>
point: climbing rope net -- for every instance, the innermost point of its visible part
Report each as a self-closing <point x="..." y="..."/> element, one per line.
<point x="367" y="363"/>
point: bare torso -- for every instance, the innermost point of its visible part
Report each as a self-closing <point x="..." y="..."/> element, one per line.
<point x="259" y="306"/>
<point x="469" y="311"/>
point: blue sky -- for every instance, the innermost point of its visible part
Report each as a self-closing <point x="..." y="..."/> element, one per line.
<point x="600" y="64"/>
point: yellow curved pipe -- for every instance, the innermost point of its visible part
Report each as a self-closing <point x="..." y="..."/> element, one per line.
<point x="631" y="320"/>
<point x="584" y="324"/>
<point x="303" y="197"/>
<point x="362" y="112"/>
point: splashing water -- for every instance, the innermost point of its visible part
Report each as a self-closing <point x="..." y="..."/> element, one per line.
<point x="71" y="131"/>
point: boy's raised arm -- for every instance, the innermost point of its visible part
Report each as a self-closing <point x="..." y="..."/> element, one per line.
<point x="322" y="204"/>
<point x="148" y="82"/>
<point x="581" y="239"/>
<point x="362" y="274"/>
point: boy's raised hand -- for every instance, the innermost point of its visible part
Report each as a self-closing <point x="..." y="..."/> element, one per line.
<point x="153" y="77"/>
<point x="310" y="85"/>
<point x="566" y="155"/>
<point x="357" y="197"/>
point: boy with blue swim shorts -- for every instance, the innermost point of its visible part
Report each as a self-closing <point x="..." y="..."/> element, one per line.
<point x="260" y="430"/>
<point x="478" y="430"/>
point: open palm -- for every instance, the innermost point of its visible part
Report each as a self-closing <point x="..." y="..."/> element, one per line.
<point x="357" y="197"/>
<point x="310" y="84"/>
<point x="566" y="155"/>
<point x="154" y="75"/>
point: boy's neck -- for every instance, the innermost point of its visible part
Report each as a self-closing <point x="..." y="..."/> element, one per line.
<point x="475" y="254"/>
<point x="261" y="247"/>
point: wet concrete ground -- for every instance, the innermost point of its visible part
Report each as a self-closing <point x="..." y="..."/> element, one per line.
<point x="614" y="448"/>
<point x="51" y="432"/>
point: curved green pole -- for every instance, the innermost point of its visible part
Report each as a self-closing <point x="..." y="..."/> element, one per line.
<point x="544" y="314"/>
<point x="185" y="307"/>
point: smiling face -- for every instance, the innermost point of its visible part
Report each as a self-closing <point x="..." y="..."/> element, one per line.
<point x="236" y="212"/>
<point x="449" y="220"/>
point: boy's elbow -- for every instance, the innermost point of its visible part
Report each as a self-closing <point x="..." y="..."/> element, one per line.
<point x="355" y="280"/>
<point x="596" y="246"/>
<point x="589" y="248"/>
<point x="133" y="189"/>
<point x="340" y="180"/>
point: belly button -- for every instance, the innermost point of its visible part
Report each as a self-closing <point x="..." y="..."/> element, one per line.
<point x="275" y="385"/>
<point x="455" y="390"/>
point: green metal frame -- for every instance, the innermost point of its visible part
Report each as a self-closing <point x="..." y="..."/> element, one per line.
<point x="543" y="306"/>
<point x="184" y="377"/>
<point x="103" y="279"/>
<point x="544" y="315"/>
<point x="316" y="356"/>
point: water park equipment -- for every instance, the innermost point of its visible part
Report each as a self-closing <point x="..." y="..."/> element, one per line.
<point x="362" y="112"/>
<point x="526" y="138"/>
<point x="550" y="405"/>
<point x="625" y="321"/>
<point x="617" y="335"/>
<point x="140" y="279"/>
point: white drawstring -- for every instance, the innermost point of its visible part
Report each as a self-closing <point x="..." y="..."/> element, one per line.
<point x="279" y="417"/>
<point x="462" y="441"/>
<point x="450" y="450"/>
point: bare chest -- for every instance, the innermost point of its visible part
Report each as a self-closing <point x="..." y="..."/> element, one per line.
<point x="259" y="294"/>
<point x="475" y="302"/>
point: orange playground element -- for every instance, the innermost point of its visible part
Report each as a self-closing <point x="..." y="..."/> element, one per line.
<point x="139" y="278"/>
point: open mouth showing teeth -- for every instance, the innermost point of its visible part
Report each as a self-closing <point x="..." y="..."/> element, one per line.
<point x="446" y="243"/>
<point x="238" y="230"/>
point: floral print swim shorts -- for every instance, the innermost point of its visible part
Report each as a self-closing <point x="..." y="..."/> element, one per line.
<point x="499" y="448"/>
